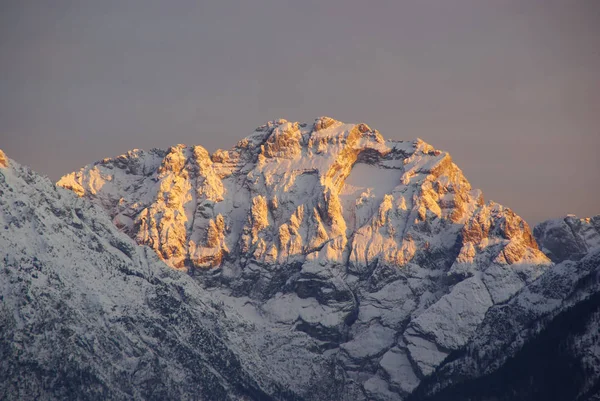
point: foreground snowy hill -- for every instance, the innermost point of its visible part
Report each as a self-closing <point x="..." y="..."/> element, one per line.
<point x="310" y="262"/>
<point x="85" y="313"/>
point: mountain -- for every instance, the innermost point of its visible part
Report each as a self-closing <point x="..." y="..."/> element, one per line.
<point x="309" y="262"/>
<point x="379" y="249"/>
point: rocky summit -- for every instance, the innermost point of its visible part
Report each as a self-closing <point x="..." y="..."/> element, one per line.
<point x="309" y="262"/>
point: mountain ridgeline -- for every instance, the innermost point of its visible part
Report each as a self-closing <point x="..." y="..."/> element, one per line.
<point x="309" y="262"/>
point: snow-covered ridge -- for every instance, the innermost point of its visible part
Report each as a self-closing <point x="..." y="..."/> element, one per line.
<point x="542" y="344"/>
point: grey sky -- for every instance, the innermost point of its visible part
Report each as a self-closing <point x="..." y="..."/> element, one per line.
<point x="510" y="88"/>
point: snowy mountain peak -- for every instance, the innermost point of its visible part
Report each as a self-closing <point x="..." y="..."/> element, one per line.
<point x="327" y="193"/>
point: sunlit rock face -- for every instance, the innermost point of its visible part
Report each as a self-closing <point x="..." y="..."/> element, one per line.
<point x="3" y="159"/>
<point x="378" y="250"/>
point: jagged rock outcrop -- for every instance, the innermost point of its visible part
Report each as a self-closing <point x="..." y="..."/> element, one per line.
<point x="570" y="238"/>
<point x="380" y="251"/>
